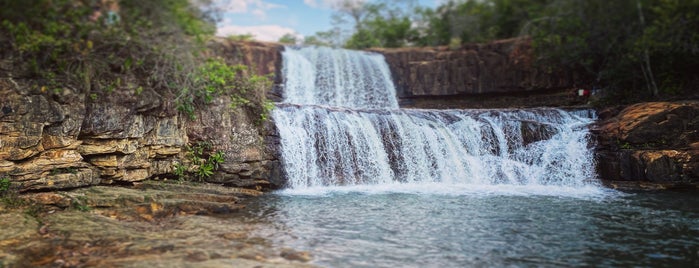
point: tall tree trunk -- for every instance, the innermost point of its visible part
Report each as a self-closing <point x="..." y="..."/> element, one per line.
<point x="647" y="71"/>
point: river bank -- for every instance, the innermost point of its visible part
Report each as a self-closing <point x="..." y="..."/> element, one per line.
<point x="150" y="224"/>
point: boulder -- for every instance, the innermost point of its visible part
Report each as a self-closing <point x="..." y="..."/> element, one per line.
<point x="650" y="142"/>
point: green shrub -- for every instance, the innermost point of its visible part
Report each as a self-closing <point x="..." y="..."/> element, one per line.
<point x="201" y="162"/>
<point x="4" y="185"/>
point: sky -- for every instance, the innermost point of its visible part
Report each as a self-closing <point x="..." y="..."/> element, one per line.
<point x="268" y="20"/>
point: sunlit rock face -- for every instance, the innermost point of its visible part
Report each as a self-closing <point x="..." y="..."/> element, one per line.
<point x="654" y="142"/>
<point x="67" y="139"/>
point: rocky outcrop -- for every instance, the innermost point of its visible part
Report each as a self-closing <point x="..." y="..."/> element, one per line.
<point x="478" y="76"/>
<point x="650" y="142"/>
<point x="262" y="58"/>
<point x="151" y="224"/>
<point x="66" y="139"/>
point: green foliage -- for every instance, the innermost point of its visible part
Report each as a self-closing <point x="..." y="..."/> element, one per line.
<point x="4" y="185"/>
<point x="213" y="78"/>
<point x="634" y="49"/>
<point x="67" y="43"/>
<point x="201" y="162"/>
<point x="216" y="78"/>
<point x="625" y="146"/>
<point x="9" y="196"/>
<point x="57" y="171"/>
<point x="645" y="50"/>
<point x="382" y="24"/>
<point x="315" y="40"/>
<point x="288" y="39"/>
<point x="180" y="171"/>
<point x="267" y="108"/>
<point x="241" y="37"/>
<point x="80" y="203"/>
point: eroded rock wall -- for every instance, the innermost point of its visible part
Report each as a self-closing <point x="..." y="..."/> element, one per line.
<point x="655" y="142"/>
<point x="491" y="75"/>
<point x="67" y="139"/>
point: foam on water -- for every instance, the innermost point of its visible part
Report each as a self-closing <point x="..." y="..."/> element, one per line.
<point x="485" y="190"/>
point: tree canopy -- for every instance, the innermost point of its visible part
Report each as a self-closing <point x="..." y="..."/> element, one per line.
<point x="635" y="48"/>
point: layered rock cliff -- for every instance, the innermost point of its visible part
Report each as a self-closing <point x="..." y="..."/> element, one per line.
<point x="491" y="75"/>
<point x="655" y="143"/>
<point x="69" y="139"/>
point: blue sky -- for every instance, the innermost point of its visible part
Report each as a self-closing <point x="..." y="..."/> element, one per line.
<point x="268" y="20"/>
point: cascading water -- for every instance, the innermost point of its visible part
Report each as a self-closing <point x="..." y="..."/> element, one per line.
<point x="371" y="185"/>
<point x="337" y="77"/>
<point x="365" y="140"/>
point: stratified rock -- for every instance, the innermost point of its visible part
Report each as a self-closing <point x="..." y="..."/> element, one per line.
<point x="492" y="75"/>
<point x="262" y="59"/>
<point x="51" y="141"/>
<point x="655" y="124"/>
<point x="651" y="142"/>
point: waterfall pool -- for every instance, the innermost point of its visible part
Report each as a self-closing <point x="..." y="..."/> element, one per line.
<point x="482" y="226"/>
<point x="373" y="185"/>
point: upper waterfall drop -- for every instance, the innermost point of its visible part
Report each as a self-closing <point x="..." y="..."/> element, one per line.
<point x="337" y="77"/>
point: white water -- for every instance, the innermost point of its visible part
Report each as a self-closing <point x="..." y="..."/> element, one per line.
<point x="337" y="77"/>
<point x="383" y="147"/>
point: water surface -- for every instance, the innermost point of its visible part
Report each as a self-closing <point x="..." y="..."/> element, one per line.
<point x="489" y="226"/>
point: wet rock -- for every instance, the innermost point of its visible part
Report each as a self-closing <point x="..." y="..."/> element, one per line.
<point x="535" y="131"/>
<point x="294" y="255"/>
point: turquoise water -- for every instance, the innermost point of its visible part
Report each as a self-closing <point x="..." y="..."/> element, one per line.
<point x="482" y="226"/>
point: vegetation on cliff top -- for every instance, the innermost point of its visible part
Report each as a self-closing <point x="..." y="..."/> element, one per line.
<point x="636" y="49"/>
<point x="98" y="46"/>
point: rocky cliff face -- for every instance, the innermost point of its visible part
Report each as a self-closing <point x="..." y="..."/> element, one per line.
<point x="492" y="75"/>
<point x="58" y="140"/>
<point x="656" y="143"/>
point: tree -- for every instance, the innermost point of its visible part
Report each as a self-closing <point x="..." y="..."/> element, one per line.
<point x="288" y="39"/>
<point x="314" y="40"/>
<point x="378" y="25"/>
<point x="636" y="53"/>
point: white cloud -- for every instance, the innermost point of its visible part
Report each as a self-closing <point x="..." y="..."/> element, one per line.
<point x="270" y="33"/>
<point x="259" y="13"/>
<point x="311" y="3"/>
<point x="256" y="7"/>
<point x="331" y="3"/>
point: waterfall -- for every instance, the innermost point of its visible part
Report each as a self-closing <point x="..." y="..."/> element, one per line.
<point x="340" y="125"/>
<point x="337" y="77"/>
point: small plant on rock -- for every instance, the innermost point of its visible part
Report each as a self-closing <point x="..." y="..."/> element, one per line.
<point x="201" y="163"/>
<point x="4" y="185"/>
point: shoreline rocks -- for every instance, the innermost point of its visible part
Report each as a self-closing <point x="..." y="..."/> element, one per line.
<point x="151" y="224"/>
<point x="654" y="142"/>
